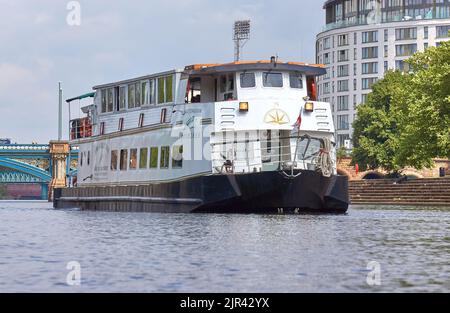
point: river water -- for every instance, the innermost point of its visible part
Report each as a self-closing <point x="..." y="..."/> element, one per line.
<point x="138" y="252"/>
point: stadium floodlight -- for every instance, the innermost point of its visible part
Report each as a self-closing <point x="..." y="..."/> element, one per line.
<point x="241" y="36"/>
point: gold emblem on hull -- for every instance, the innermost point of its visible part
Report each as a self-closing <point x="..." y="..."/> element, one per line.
<point x="277" y="117"/>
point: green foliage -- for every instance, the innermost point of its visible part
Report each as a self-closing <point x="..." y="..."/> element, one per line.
<point x="406" y="120"/>
<point x="341" y="153"/>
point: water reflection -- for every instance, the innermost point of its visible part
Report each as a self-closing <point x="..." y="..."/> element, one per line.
<point x="224" y="253"/>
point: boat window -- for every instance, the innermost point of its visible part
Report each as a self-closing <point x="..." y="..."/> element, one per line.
<point x="165" y="89"/>
<point x="177" y="157"/>
<point x="143" y="158"/>
<point x="133" y="159"/>
<point x="123" y="159"/>
<point x="248" y="80"/>
<point x="152" y="92"/>
<point x="296" y="80"/>
<point x="137" y="98"/>
<point x="81" y="158"/>
<point x="308" y="148"/>
<point x="231" y="82"/>
<point x="131" y="96"/>
<point x="272" y="79"/>
<point x="145" y="92"/>
<point x="88" y="158"/>
<point x="114" y="157"/>
<point x="194" y="91"/>
<point x="227" y="87"/>
<point x="122" y="98"/>
<point x="154" y="157"/>
<point x="103" y="99"/>
<point x="223" y="84"/>
<point x="110" y="99"/>
<point x="165" y="154"/>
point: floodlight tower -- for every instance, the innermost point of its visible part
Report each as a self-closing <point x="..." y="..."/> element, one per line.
<point x="241" y="37"/>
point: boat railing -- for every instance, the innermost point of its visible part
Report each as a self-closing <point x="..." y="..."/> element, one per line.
<point x="248" y="157"/>
<point x="80" y="128"/>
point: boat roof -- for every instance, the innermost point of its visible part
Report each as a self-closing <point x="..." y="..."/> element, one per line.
<point x="205" y="69"/>
<point x="217" y="68"/>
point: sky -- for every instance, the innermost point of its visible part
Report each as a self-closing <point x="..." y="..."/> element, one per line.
<point x="122" y="39"/>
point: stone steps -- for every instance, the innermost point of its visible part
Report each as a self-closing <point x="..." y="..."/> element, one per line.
<point x="434" y="192"/>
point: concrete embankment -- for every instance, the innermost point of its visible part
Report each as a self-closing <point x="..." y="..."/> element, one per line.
<point x="434" y="192"/>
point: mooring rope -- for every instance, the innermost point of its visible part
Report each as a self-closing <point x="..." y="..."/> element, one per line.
<point x="325" y="163"/>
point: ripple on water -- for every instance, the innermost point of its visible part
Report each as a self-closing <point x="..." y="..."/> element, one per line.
<point x="224" y="253"/>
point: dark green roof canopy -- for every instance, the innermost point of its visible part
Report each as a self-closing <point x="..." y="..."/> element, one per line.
<point x="88" y="95"/>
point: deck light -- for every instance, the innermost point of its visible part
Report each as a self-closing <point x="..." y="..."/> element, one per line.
<point x="243" y="106"/>
<point x="309" y="106"/>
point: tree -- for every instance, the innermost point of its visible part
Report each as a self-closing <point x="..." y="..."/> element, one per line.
<point x="406" y="120"/>
<point x="376" y="130"/>
<point x="426" y="131"/>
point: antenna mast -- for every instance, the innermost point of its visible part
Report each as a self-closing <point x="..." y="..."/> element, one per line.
<point x="241" y="36"/>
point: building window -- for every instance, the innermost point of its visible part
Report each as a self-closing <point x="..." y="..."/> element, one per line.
<point x="342" y="139"/>
<point x="371" y="36"/>
<point x="165" y="89"/>
<point x="343" y="40"/>
<point x="342" y="103"/>
<point x="154" y="151"/>
<point x="342" y="122"/>
<point x="342" y="85"/>
<point x="326" y="43"/>
<point x="442" y="31"/>
<point x="405" y="50"/>
<point x="386" y="66"/>
<point x="177" y="157"/>
<point x="123" y="159"/>
<point x="425" y="32"/>
<point x="326" y="58"/>
<point x="369" y="68"/>
<point x="342" y="55"/>
<point x="326" y="88"/>
<point x="364" y="98"/>
<point x="370" y="52"/>
<point x="406" y="33"/>
<point x="143" y="158"/>
<point x="248" y="80"/>
<point x="114" y="160"/>
<point x="403" y="66"/>
<point x="368" y="82"/>
<point x="386" y="51"/>
<point x="342" y="71"/>
<point x="133" y="159"/>
<point x="165" y="156"/>
<point x="386" y="35"/>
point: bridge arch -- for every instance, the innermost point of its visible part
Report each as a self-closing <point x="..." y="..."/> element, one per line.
<point x="41" y="174"/>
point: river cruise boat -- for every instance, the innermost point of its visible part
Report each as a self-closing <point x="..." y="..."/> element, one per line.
<point x="242" y="137"/>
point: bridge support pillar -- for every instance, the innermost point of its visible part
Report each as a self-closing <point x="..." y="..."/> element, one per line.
<point x="59" y="151"/>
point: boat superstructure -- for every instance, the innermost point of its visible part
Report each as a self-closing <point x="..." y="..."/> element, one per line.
<point x="240" y="137"/>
